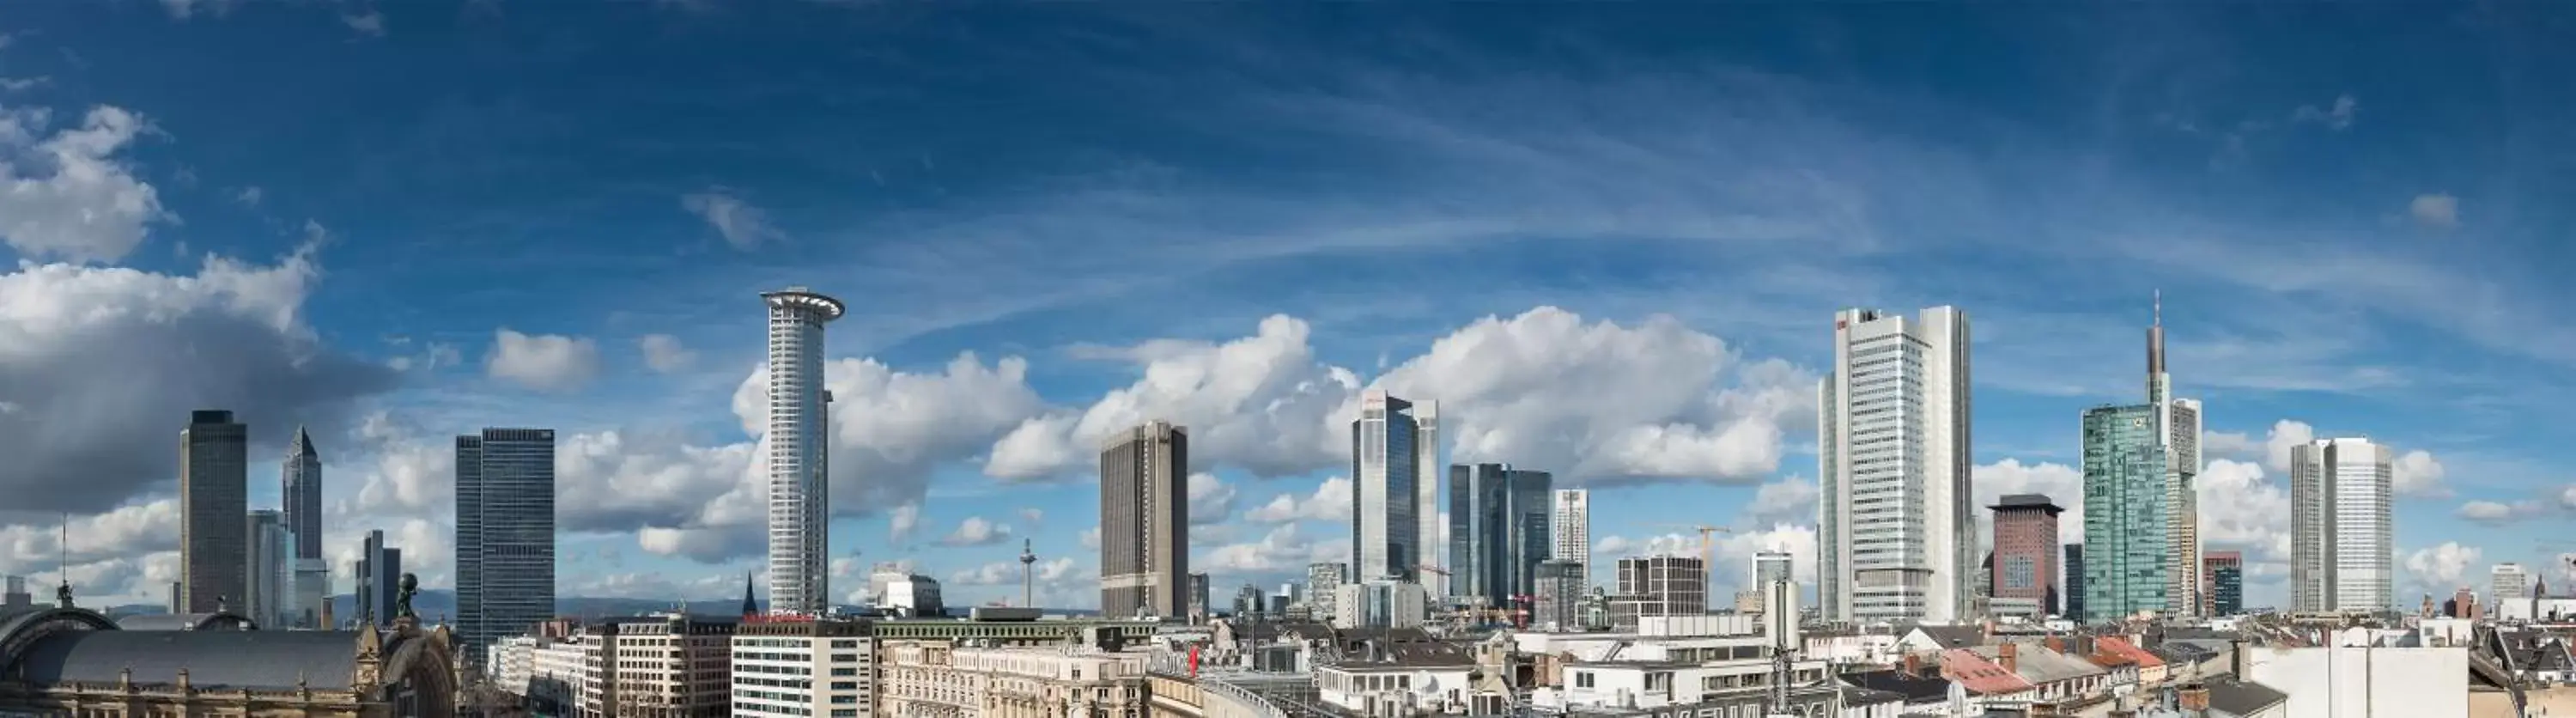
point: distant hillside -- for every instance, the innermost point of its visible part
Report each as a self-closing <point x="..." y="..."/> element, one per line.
<point x="436" y="604"/>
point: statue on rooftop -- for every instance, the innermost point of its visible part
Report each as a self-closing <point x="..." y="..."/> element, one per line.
<point x="402" y="598"/>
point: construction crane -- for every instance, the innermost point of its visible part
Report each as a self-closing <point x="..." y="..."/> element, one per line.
<point x="1707" y="542"/>
<point x="2566" y="551"/>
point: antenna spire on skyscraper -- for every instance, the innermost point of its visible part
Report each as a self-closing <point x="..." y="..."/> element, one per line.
<point x="2160" y="307"/>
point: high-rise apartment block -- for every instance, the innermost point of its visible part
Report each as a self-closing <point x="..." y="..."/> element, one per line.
<point x="505" y="535"/>
<point x="1323" y="585"/>
<point x="1145" y="522"/>
<point x="214" y="499"/>
<point x="379" y="576"/>
<point x="308" y="573"/>
<point x="2224" y="574"/>
<point x="2125" y="514"/>
<point x="2341" y="549"/>
<point x="270" y="569"/>
<point x="1659" y="586"/>
<point x="2026" y="552"/>
<point x="1895" y="530"/>
<point x="800" y="441"/>
<point x="1498" y="531"/>
<point x="1570" y="525"/>
<point x="2507" y="581"/>
<point x="1388" y="454"/>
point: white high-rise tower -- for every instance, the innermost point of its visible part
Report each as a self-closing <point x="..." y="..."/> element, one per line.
<point x="800" y="515"/>
<point x="1570" y="525"/>
<point x="1895" y="533"/>
<point x="2342" y="553"/>
<point x="1426" y="474"/>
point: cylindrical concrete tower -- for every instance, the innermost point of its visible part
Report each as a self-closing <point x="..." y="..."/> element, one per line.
<point x="800" y="515"/>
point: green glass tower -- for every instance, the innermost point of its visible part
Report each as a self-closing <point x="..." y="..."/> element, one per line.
<point x="2125" y="512"/>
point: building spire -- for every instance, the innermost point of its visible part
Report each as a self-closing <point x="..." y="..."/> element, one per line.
<point x="749" y="607"/>
<point x="304" y="442"/>
<point x="2160" y="307"/>
<point x="2156" y="343"/>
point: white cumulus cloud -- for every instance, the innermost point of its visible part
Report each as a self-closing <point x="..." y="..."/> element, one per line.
<point x="663" y="353"/>
<point x="1331" y="501"/>
<point x="742" y="225"/>
<point x="67" y="194"/>
<point x="545" y="362"/>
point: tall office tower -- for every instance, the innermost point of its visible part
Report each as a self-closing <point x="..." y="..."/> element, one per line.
<point x="308" y="576"/>
<point x="505" y="535"/>
<point x="1145" y="521"/>
<point x="1426" y="491"/>
<point x="2223" y="572"/>
<point x="2026" y="551"/>
<point x="1895" y="537"/>
<point x="2125" y="514"/>
<point x="1499" y="519"/>
<point x="2508" y="581"/>
<point x="1571" y="526"/>
<point x="800" y="507"/>
<point x="1198" y="591"/>
<point x="379" y="574"/>
<point x="1386" y="465"/>
<point x="271" y="547"/>
<point x="1323" y="581"/>
<point x="2178" y="438"/>
<point x="214" y="496"/>
<point x="1769" y="566"/>
<point x="2340" y="550"/>
<point x="2074" y="578"/>
<point x="1556" y="603"/>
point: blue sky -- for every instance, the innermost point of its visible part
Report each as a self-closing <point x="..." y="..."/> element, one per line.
<point x="1608" y="238"/>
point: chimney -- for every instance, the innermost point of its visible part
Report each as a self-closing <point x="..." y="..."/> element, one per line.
<point x="2195" y="700"/>
<point x="2011" y="654"/>
<point x="2236" y="659"/>
<point x="1913" y="665"/>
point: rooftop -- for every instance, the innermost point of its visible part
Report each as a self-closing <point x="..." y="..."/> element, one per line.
<point x="2026" y="502"/>
<point x="213" y="659"/>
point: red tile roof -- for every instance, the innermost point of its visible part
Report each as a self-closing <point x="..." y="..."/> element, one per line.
<point x="1980" y="675"/>
<point x="2124" y="649"/>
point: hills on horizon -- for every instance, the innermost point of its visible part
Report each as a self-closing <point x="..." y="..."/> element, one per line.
<point x="436" y="605"/>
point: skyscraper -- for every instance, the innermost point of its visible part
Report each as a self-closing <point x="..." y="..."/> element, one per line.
<point x="505" y="535"/>
<point x="379" y="574"/>
<point x="1571" y="525"/>
<point x="1145" y="521"/>
<point x="270" y="567"/>
<point x="2026" y="552"/>
<point x="800" y="507"/>
<point x="1498" y="531"/>
<point x="214" y="497"/>
<point x="1426" y="491"/>
<point x="2340" y="539"/>
<point x="2125" y="514"/>
<point x="2508" y="581"/>
<point x="1198" y="590"/>
<point x="1323" y="584"/>
<point x="1895" y="534"/>
<point x="2075" y="582"/>
<point x="2178" y="436"/>
<point x="1386" y="465"/>
<point x="308" y="574"/>
<point x="2224" y="574"/>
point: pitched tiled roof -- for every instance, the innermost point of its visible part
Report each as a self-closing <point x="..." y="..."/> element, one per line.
<point x="1979" y="675"/>
<point x="2124" y="649"/>
<point x="1915" y="689"/>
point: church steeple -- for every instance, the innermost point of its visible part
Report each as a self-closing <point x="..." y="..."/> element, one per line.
<point x="749" y="607"/>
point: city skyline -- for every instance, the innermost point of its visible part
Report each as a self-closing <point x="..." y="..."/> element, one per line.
<point x="1635" y="297"/>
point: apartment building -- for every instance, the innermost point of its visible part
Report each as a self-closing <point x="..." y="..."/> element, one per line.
<point x="803" y="666"/>
<point x="939" y="678"/>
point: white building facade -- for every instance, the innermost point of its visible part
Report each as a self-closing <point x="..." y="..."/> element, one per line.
<point x="2508" y="581"/>
<point x="2341" y="542"/>
<point x="1570" y="525"/>
<point x="1895" y="532"/>
<point x="824" y="668"/>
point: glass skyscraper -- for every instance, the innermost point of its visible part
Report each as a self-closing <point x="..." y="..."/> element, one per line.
<point x="1499" y="521"/>
<point x="2125" y="512"/>
<point x="1386" y="518"/>
<point x="505" y="535"/>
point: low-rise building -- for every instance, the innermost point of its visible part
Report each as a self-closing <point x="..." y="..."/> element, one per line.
<point x="60" y="660"/>
<point x="800" y="666"/>
<point x="938" y="678"/>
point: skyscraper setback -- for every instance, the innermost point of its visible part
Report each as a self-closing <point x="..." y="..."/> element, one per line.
<point x="1895" y="528"/>
<point x="1145" y="522"/>
<point x="1387" y="454"/>
<point x="505" y="535"/>
<point x="2341" y="549"/>
<point x="800" y="440"/>
<point x="214" y="498"/>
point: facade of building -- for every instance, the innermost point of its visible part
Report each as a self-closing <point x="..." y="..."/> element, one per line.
<point x="936" y="678"/>
<point x="2124" y="513"/>
<point x="1894" y="423"/>
<point x="1498" y="531"/>
<point x="1198" y="597"/>
<point x="378" y="574"/>
<point x="799" y="666"/>
<point x="661" y="666"/>
<point x="913" y="596"/>
<point x="2026" y="550"/>
<point x="1427" y="463"/>
<point x="58" y="660"/>
<point x="1145" y="521"/>
<point x="1570" y="525"/>
<point x="1660" y="586"/>
<point x="2508" y="581"/>
<point x="1768" y="567"/>
<point x="2178" y="440"/>
<point x="800" y="444"/>
<point x="505" y="535"/>
<point x="214" y="496"/>
<point x="1380" y="604"/>
<point x="1323" y="586"/>
<point x="308" y="573"/>
<point x="2074" y="570"/>
<point x="1387" y="518"/>
<point x="268" y="575"/>
<point x="1557" y="603"/>
<point x="2225" y="573"/>
<point x="2341" y="552"/>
